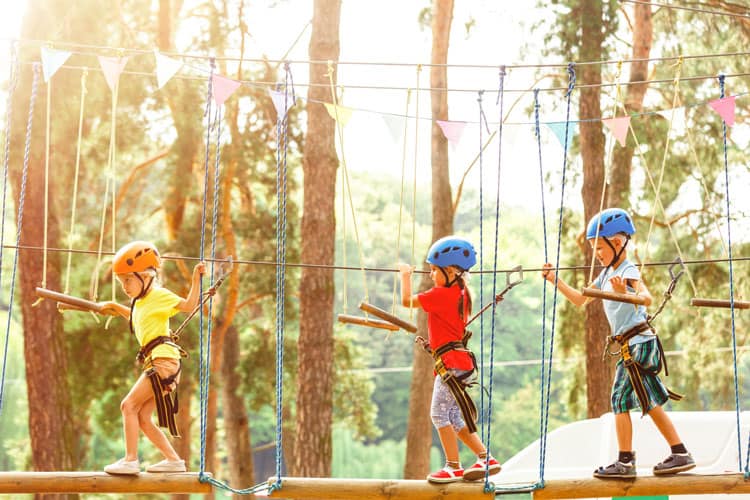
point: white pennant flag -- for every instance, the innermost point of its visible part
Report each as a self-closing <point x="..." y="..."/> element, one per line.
<point x="281" y="101"/>
<point x="396" y="126"/>
<point x="52" y="60"/>
<point x="166" y="67"/>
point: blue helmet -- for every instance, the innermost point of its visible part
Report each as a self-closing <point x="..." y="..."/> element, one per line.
<point x="610" y="222"/>
<point x="452" y="251"/>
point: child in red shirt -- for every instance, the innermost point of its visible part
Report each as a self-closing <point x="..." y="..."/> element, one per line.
<point x="448" y="305"/>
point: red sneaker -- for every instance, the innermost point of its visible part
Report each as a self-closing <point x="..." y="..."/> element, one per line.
<point x="446" y="475"/>
<point x="476" y="471"/>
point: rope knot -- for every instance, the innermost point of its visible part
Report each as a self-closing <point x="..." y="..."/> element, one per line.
<point x="571" y="77"/>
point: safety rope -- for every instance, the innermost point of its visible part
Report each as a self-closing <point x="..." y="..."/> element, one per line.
<point x="203" y="365"/>
<point x="401" y="205"/>
<point x="346" y="184"/>
<point x="731" y="288"/>
<point x="489" y="487"/>
<point x="19" y="224"/>
<point x="571" y="86"/>
<point x="14" y="68"/>
<point x="544" y="379"/>
<point x="607" y="168"/>
<point x="72" y="232"/>
<point x="482" y="118"/>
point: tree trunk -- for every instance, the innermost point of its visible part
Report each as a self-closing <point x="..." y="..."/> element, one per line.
<point x="53" y="439"/>
<point x="236" y="424"/>
<point x="622" y="157"/>
<point x="314" y="441"/>
<point x="598" y="371"/>
<point x="419" y="426"/>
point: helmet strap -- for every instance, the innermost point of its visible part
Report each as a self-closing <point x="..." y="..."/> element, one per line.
<point x="448" y="281"/>
<point x="615" y="253"/>
<point x="144" y="290"/>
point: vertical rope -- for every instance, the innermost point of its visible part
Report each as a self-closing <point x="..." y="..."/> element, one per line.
<point x="731" y="286"/>
<point x="571" y="86"/>
<point x="482" y="118"/>
<point x="401" y="201"/>
<point x="19" y="224"/>
<point x="14" y="68"/>
<point x="543" y="409"/>
<point x="414" y="184"/>
<point x="71" y="233"/>
<point x="48" y="119"/>
<point x="204" y="361"/>
<point x="501" y="95"/>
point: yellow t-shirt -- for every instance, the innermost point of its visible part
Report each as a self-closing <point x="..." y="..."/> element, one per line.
<point x="151" y="319"/>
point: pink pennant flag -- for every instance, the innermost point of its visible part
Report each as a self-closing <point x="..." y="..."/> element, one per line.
<point x="619" y="128"/>
<point x="452" y="130"/>
<point x="52" y="60"/>
<point x="223" y="88"/>
<point x="112" y="68"/>
<point x="725" y="108"/>
<point x="339" y="113"/>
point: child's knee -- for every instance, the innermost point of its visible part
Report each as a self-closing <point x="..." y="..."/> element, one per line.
<point x="128" y="407"/>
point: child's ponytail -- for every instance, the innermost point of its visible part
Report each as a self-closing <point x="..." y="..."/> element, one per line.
<point x="464" y="300"/>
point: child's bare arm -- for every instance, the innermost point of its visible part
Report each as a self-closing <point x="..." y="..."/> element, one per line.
<point x="407" y="299"/>
<point x="109" y="307"/>
<point x="191" y="301"/>
<point x="568" y="291"/>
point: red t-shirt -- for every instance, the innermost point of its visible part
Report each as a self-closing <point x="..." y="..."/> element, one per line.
<point x="444" y="324"/>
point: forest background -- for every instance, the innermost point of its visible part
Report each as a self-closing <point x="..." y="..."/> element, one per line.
<point x="160" y="140"/>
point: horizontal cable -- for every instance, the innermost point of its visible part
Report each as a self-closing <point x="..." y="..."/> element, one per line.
<point x="124" y="51"/>
<point x="692" y="9"/>
<point x="351" y="268"/>
<point x="272" y="85"/>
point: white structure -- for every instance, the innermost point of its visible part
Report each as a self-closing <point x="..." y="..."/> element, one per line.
<point x="575" y="450"/>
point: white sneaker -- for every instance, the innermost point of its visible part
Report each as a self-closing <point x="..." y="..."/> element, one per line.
<point x="167" y="466"/>
<point x="122" y="466"/>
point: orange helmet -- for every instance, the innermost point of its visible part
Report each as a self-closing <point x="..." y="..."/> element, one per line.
<point x="136" y="257"/>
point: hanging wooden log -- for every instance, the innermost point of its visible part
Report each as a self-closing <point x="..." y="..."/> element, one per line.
<point x="679" y="484"/>
<point x="301" y="488"/>
<point x="100" y="482"/>
<point x="376" y="311"/>
<point x="359" y="320"/>
<point x="74" y="303"/>
<point x="738" y="304"/>
<point x="630" y="298"/>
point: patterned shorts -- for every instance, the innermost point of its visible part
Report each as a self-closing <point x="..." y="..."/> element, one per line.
<point x="444" y="410"/>
<point x="624" y="397"/>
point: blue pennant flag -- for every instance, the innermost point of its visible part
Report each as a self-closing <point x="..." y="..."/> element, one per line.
<point x="558" y="128"/>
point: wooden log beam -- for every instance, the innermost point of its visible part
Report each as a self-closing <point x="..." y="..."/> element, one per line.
<point x="385" y="315"/>
<point x="680" y="484"/>
<point x="630" y="298"/>
<point x="738" y="304"/>
<point x="100" y="482"/>
<point x="359" y="320"/>
<point x="301" y="488"/>
<point x="75" y="303"/>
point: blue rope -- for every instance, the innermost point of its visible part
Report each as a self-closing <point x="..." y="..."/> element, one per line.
<point x="19" y="224"/>
<point x="571" y="85"/>
<point x="481" y="266"/>
<point x="731" y="289"/>
<point x="543" y="409"/>
<point x="8" y="115"/>
<point x="203" y="365"/>
<point x="489" y="487"/>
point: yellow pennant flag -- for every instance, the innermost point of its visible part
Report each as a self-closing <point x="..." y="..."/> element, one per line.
<point x="339" y="113"/>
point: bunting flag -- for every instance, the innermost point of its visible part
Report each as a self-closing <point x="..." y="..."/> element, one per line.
<point x="619" y="128"/>
<point x="452" y="130"/>
<point x="166" y="67"/>
<point x="52" y="60"/>
<point x="112" y="68"/>
<point x="223" y="87"/>
<point x="725" y="108"/>
<point x="281" y="101"/>
<point x="339" y="113"/>
<point x="558" y="128"/>
<point x="396" y="125"/>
